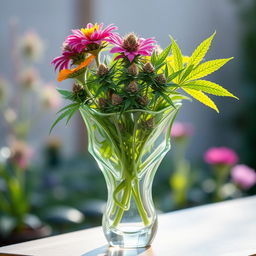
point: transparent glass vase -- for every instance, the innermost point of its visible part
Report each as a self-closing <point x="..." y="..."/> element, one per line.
<point x="129" y="147"/>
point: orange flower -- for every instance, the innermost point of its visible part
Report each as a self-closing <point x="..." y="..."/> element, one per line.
<point x="67" y="73"/>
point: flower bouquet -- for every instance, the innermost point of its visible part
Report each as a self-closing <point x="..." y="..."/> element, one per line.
<point x="128" y="102"/>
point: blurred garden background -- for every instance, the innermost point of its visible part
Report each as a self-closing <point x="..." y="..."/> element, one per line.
<point x="50" y="184"/>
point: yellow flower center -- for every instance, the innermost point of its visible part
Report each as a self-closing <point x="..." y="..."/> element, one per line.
<point x="88" y="31"/>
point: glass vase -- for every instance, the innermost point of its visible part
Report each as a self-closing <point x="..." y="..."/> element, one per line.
<point x="128" y="148"/>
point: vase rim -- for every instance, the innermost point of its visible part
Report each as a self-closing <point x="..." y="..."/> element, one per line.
<point x="177" y="105"/>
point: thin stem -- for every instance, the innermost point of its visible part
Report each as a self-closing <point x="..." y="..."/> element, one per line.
<point x="139" y="203"/>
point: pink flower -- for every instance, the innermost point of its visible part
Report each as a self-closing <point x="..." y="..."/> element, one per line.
<point x="180" y="130"/>
<point x="221" y="155"/>
<point x="132" y="46"/>
<point x="65" y="60"/>
<point x="243" y="176"/>
<point x="92" y="34"/>
<point x="21" y="153"/>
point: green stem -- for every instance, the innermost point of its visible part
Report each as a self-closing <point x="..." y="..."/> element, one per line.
<point x="125" y="200"/>
<point x="139" y="203"/>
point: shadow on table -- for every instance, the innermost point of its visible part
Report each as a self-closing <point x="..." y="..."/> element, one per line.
<point x="111" y="251"/>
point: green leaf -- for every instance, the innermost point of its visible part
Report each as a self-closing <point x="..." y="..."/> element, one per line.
<point x="68" y="106"/>
<point x="65" y="93"/>
<point x="208" y="87"/>
<point x="206" y="68"/>
<point x="200" y="96"/>
<point x="167" y="99"/>
<point x="62" y="116"/>
<point x="200" y="51"/>
<point x="163" y="55"/>
<point x="72" y="112"/>
<point x="173" y="75"/>
<point x="153" y="59"/>
<point x="187" y="71"/>
<point x="177" y="56"/>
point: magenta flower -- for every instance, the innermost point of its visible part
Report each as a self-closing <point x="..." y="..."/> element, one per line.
<point x="132" y="46"/>
<point x="243" y="176"/>
<point x="92" y="34"/>
<point x="65" y="60"/>
<point x="221" y="155"/>
<point x="181" y="130"/>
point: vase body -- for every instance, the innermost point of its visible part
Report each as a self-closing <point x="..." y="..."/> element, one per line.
<point x="128" y="148"/>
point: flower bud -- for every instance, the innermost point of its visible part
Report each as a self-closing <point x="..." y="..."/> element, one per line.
<point x="161" y="79"/>
<point x="132" y="87"/>
<point x="130" y="43"/>
<point x="143" y="100"/>
<point x="148" y="68"/>
<point x="150" y="123"/>
<point x="102" y="102"/>
<point x="116" y="99"/>
<point x="102" y="70"/>
<point x="133" y="70"/>
<point x="77" y="88"/>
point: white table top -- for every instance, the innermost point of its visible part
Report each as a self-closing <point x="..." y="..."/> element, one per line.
<point x="222" y="229"/>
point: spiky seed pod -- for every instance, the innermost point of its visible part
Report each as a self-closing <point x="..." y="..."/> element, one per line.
<point x="132" y="87"/>
<point x="77" y="88"/>
<point x="102" y="70"/>
<point x="130" y="43"/>
<point x="143" y="100"/>
<point x="133" y="70"/>
<point x="148" y="68"/>
<point x="150" y="123"/>
<point x="102" y="102"/>
<point x="116" y="99"/>
<point x="161" y="79"/>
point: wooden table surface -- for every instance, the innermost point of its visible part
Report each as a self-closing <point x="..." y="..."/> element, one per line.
<point x="227" y="228"/>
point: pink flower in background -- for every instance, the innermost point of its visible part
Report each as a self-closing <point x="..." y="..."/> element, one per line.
<point x="92" y="34"/>
<point x="21" y="153"/>
<point x="50" y="97"/>
<point x="181" y="130"/>
<point x="65" y="60"/>
<point x="132" y="46"/>
<point x="243" y="176"/>
<point x="221" y="155"/>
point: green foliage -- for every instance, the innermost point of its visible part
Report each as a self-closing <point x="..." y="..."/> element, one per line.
<point x="178" y="58"/>
<point x="155" y="82"/>
<point x="66" y="112"/>
<point x="208" y="87"/>
<point x="200" y="51"/>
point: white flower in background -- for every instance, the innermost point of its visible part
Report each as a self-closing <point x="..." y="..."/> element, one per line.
<point x="31" y="45"/>
<point x="29" y="78"/>
<point x="10" y="115"/>
<point x="50" y="97"/>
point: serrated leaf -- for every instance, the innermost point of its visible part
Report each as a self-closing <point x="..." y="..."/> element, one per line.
<point x="206" y="68"/>
<point x="200" y="96"/>
<point x="208" y="87"/>
<point x="200" y="51"/>
<point x="163" y="55"/>
<point x="177" y="56"/>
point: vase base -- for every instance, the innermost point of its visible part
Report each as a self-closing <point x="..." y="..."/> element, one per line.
<point x="133" y="239"/>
